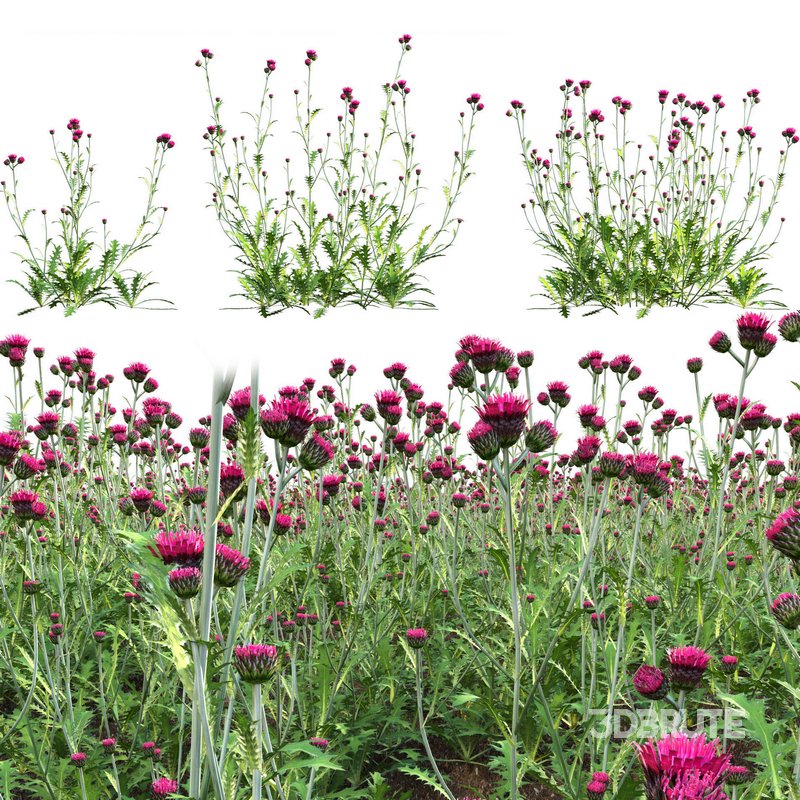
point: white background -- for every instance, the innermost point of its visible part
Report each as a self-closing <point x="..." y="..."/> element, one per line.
<point x="127" y="71"/>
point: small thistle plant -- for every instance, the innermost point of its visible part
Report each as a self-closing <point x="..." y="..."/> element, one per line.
<point x="68" y="265"/>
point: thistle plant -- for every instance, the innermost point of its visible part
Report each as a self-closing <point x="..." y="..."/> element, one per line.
<point x="68" y="264"/>
<point x="682" y="218"/>
<point x="320" y="594"/>
<point x="344" y="228"/>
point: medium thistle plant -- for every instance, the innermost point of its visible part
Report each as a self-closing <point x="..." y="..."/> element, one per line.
<point x="685" y="219"/>
<point x="67" y="265"/>
<point x="343" y="228"/>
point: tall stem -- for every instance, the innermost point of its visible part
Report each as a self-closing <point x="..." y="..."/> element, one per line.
<point x="512" y="567"/>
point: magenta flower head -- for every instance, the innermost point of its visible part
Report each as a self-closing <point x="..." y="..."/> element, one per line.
<point x="136" y="372"/>
<point x="541" y="436"/>
<point x="645" y="468"/>
<point x="679" y="766"/>
<point x="239" y="403"/>
<point x="26" y="505"/>
<point x="78" y="759"/>
<point x="163" y="787"/>
<point x="231" y="477"/>
<point x="230" y="566"/>
<point x="728" y="664"/>
<point x="650" y="682"/>
<point x="14" y="346"/>
<point x="283" y="524"/>
<point x="184" y="547"/>
<point x="786" y="610"/>
<point x="595" y="790"/>
<point x="694" y="365"/>
<point x="487" y="355"/>
<point x="417" y="637"/>
<point x="141" y="499"/>
<point x="185" y="581"/>
<point x="612" y="464"/>
<point x="738" y="775"/>
<point x="294" y="416"/>
<point x="255" y="663"/>
<point x="462" y="375"/>
<point x="505" y="414"/>
<point x="9" y="447"/>
<point x="789" y="326"/>
<point x="319" y="743"/>
<point x="484" y="441"/>
<point x="316" y="453"/>
<point x="765" y="345"/>
<point x="525" y="358"/>
<point x="108" y="744"/>
<point x="652" y="601"/>
<point x="720" y="342"/>
<point x="586" y="451"/>
<point x="752" y="327"/>
<point x="784" y="533"/>
<point x="687" y="666"/>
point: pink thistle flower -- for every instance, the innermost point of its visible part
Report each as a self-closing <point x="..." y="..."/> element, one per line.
<point x="687" y="666"/>
<point x="486" y="354"/>
<point x="16" y="341"/>
<point x="85" y="358"/>
<point x="586" y="451"/>
<point x="738" y="775"/>
<point x="9" y="447"/>
<point x="484" y="441"/>
<point x="239" y="403"/>
<point x="231" y="477"/>
<point x="720" y="342"/>
<point x="789" y="326"/>
<point x="230" y="566"/>
<point x="163" y="787"/>
<point x="255" y="663"/>
<point x="786" y="610"/>
<point x="185" y="581"/>
<point x="645" y="467"/>
<point x="319" y="743"/>
<point x="650" y="682"/>
<point x="24" y="504"/>
<point x="612" y="464"/>
<point x="136" y="372"/>
<point x="462" y="375"/>
<point x="595" y="790"/>
<point x="505" y="414"/>
<point x="541" y="436"/>
<point x="141" y="499"/>
<point x="752" y="327"/>
<point x="728" y="664"/>
<point x="784" y="533"/>
<point x="678" y="766"/>
<point x="283" y="524"/>
<point x="288" y="420"/>
<point x="78" y="759"/>
<point x="416" y="637"/>
<point x="50" y="422"/>
<point x="316" y="453"/>
<point x="184" y="547"/>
